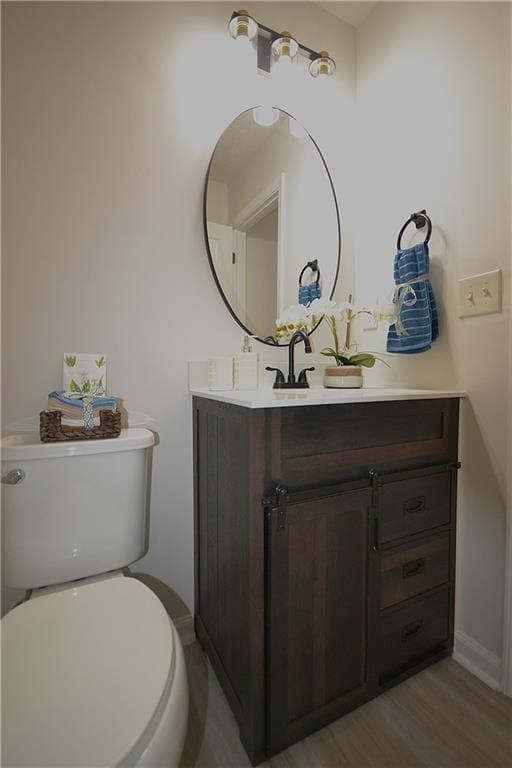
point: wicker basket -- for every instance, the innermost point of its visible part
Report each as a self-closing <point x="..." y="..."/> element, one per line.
<point x="51" y="429"/>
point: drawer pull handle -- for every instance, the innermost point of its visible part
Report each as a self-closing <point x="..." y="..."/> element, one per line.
<point x="413" y="568"/>
<point x="414" y="505"/>
<point x="411" y="630"/>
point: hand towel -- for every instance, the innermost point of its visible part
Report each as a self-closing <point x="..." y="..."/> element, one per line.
<point x="304" y="298"/>
<point x="417" y="325"/>
<point x="309" y="292"/>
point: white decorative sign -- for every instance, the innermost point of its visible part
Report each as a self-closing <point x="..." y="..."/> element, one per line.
<point x="85" y="374"/>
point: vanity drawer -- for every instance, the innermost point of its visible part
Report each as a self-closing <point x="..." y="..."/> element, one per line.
<point x="414" y="505"/>
<point x="409" y="634"/>
<point x="330" y="444"/>
<point x="409" y="570"/>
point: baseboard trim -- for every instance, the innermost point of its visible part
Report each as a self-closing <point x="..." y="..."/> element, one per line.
<point x="478" y="660"/>
<point x="185" y="628"/>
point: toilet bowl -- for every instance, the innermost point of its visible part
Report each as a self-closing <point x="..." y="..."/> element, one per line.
<point x="93" y="668"/>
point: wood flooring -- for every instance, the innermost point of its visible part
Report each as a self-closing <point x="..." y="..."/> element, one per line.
<point x="443" y="717"/>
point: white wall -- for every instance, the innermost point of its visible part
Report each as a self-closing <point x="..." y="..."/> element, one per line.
<point x="110" y="114"/>
<point x="433" y="96"/>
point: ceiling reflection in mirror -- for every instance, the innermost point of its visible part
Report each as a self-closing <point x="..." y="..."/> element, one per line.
<point x="270" y="211"/>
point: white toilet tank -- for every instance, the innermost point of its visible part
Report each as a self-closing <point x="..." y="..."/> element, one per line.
<point x="81" y="507"/>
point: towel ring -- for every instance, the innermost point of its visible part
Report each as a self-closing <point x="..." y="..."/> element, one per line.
<point x="313" y="265"/>
<point x="420" y="219"/>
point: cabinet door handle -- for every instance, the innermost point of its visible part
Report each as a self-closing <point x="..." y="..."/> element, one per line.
<point x="413" y="568"/>
<point x="411" y="630"/>
<point x="414" y="505"/>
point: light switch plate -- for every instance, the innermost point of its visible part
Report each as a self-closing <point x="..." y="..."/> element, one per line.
<point x="480" y="294"/>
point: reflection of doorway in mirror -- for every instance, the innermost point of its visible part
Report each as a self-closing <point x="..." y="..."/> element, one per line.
<point x="227" y="248"/>
<point x="261" y="270"/>
<point x="270" y="200"/>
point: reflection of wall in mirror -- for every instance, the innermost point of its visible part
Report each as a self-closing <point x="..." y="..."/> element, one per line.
<point x="311" y="222"/>
<point x="261" y="275"/>
<point x="218" y="202"/>
<point x="227" y="249"/>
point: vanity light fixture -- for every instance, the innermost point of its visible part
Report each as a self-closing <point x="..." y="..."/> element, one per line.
<point x="277" y="48"/>
<point x="242" y="27"/>
<point x="322" y="66"/>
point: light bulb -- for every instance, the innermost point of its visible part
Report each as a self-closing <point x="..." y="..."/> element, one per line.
<point x="265" y="115"/>
<point x="323" y="66"/>
<point x="244" y="54"/>
<point x="284" y="61"/>
<point x="242" y="41"/>
<point x="282" y="65"/>
<point x="285" y="48"/>
<point x="242" y="26"/>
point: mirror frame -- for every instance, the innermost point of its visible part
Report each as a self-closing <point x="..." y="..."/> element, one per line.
<point x="205" y="229"/>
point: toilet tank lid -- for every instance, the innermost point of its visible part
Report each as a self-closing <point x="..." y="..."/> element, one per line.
<point x="86" y="671"/>
<point x="23" y="447"/>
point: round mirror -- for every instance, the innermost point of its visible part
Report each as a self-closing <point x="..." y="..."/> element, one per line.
<point x="271" y="219"/>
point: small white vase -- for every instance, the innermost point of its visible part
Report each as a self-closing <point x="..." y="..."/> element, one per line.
<point x="343" y="377"/>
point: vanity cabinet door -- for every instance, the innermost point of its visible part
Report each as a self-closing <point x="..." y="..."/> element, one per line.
<point x="322" y="607"/>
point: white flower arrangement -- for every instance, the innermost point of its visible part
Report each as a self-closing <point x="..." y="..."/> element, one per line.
<point x="300" y="318"/>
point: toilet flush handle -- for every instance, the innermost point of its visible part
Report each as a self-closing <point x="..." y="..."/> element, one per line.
<point x="13" y="477"/>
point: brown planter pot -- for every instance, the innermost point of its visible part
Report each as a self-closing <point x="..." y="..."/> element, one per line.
<point x="343" y="377"/>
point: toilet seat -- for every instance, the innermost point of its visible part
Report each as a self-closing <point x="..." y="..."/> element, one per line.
<point x="87" y="672"/>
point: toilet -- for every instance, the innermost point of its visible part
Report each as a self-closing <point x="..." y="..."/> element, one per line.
<point x="93" y="668"/>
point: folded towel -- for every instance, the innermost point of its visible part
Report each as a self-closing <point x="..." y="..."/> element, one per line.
<point x="80" y="410"/>
<point x="417" y="325"/>
<point x="82" y="423"/>
<point x="77" y="401"/>
<point x="71" y="412"/>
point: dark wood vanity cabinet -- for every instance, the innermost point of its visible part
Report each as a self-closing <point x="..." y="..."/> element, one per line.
<point x="325" y="555"/>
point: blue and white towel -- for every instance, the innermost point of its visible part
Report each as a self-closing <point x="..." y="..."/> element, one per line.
<point x="76" y="401"/>
<point x="309" y="292"/>
<point x="417" y="324"/>
<point x="79" y="410"/>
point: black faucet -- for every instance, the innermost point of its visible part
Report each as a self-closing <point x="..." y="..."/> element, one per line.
<point x="292" y="382"/>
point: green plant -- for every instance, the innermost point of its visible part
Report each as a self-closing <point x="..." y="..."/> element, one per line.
<point x="70" y="360"/>
<point x="367" y="359"/>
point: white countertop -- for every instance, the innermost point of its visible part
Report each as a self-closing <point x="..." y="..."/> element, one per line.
<point x="275" y="398"/>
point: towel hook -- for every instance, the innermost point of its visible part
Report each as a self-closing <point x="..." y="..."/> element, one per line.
<point x="313" y="266"/>
<point x="420" y="218"/>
